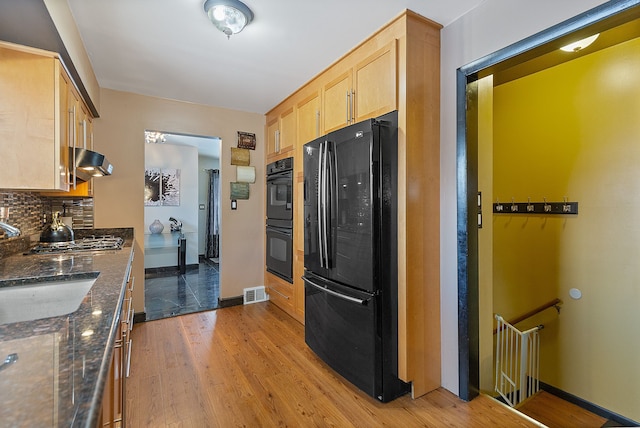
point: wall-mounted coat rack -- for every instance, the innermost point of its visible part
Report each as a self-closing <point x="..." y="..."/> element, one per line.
<point x="566" y="208"/>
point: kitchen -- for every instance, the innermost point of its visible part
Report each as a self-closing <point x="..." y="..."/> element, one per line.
<point x="124" y="116"/>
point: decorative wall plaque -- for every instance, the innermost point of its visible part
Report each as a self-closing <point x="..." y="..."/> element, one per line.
<point x="246" y="140"/>
<point x="245" y="174"/>
<point x="239" y="190"/>
<point x="240" y="156"/>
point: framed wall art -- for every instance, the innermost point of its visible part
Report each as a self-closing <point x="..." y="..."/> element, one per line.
<point x="161" y="187"/>
<point x="246" y="140"/>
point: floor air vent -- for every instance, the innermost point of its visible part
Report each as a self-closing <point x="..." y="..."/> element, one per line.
<point x="255" y="295"/>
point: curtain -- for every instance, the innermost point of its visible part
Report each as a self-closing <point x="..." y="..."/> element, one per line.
<point x="213" y="215"/>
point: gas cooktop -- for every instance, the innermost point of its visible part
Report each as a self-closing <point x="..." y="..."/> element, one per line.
<point x="89" y="243"/>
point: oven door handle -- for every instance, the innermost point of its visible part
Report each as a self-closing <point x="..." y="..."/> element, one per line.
<point x="277" y="175"/>
<point x="335" y="293"/>
<point x="280" y="230"/>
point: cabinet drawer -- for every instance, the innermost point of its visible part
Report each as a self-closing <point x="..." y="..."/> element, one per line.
<point x="280" y="292"/>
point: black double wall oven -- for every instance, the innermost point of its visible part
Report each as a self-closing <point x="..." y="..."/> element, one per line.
<point x="279" y="228"/>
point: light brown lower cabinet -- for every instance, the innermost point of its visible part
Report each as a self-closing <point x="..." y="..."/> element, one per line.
<point x="114" y="398"/>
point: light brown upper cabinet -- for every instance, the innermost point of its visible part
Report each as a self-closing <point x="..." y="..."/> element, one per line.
<point x="336" y="97"/>
<point x="33" y="120"/>
<point x="308" y="119"/>
<point x="77" y="128"/>
<point x="367" y="89"/>
<point x="281" y="134"/>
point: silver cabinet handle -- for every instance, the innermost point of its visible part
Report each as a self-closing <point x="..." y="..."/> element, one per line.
<point x="277" y="141"/>
<point x="335" y="293"/>
<point x="353" y="106"/>
<point x="348" y="106"/>
<point x="128" y="369"/>
<point x="131" y="313"/>
<point x="317" y="123"/>
<point x="283" y="295"/>
<point x="84" y="133"/>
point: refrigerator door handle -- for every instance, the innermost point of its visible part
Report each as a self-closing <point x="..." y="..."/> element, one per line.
<point x="320" y="192"/>
<point x="335" y="293"/>
<point x="325" y="206"/>
<point x="328" y="192"/>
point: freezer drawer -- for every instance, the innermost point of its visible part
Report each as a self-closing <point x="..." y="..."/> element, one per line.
<point x="344" y="328"/>
<point x="342" y="332"/>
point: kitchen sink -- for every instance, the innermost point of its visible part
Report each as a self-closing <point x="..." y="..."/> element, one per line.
<point x="42" y="298"/>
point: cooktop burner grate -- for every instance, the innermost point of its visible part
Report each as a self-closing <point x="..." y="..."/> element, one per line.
<point x="90" y="243"/>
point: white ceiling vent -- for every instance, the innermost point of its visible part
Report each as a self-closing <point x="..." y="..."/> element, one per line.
<point x="255" y="295"/>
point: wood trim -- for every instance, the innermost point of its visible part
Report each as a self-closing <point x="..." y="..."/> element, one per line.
<point x="29" y="49"/>
<point x="226" y="302"/>
<point x="419" y="222"/>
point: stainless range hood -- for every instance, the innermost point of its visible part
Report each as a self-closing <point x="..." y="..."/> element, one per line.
<point x="89" y="164"/>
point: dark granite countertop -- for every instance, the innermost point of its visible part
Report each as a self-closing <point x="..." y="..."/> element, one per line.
<point x="63" y="361"/>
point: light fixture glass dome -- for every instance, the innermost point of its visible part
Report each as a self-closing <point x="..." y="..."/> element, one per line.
<point x="229" y="16"/>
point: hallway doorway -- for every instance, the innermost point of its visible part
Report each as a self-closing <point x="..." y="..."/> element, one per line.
<point x="179" y="281"/>
<point x="516" y="262"/>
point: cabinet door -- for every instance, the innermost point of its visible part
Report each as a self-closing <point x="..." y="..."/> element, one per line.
<point x="308" y="113"/>
<point x="30" y="122"/>
<point x="375" y="84"/>
<point x="65" y="141"/>
<point x="287" y="130"/>
<point x="336" y="99"/>
<point x="273" y="132"/>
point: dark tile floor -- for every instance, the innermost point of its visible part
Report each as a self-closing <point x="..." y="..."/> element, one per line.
<point x="168" y="294"/>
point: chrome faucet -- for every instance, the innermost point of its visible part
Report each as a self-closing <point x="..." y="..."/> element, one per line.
<point x="10" y="231"/>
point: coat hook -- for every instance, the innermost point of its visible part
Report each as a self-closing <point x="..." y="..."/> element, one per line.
<point x="566" y="208"/>
<point x="547" y="207"/>
<point x="530" y="207"/>
<point x="499" y="207"/>
<point x="514" y="207"/>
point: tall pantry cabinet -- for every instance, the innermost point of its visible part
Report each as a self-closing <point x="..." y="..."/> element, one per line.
<point x="398" y="67"/>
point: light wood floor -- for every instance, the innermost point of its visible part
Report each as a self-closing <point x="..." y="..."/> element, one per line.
<point x="249" y="366"/>
<point x="557" y="413"/>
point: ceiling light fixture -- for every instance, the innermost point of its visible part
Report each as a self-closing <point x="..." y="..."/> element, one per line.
<point x="154" y="137"/>
<point x="580" y="44"/>
<point x="229" y="16"/>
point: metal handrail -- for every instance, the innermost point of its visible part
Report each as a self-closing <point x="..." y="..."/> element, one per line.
<point x="555" y="303"/>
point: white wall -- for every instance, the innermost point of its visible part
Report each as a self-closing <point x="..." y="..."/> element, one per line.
<point x="184" y="158"/>
<point x="495" y="24"/>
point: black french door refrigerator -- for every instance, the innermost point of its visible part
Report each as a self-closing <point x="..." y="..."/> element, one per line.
<point x="350" y="254"/>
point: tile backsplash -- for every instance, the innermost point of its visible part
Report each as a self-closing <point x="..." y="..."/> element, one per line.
<point x="30" y="212"/>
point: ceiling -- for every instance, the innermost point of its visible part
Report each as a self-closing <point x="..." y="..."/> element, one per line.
<point x="169" y="49"/>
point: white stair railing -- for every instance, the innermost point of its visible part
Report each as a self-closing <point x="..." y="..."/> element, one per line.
<point x="517" y="362"/>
